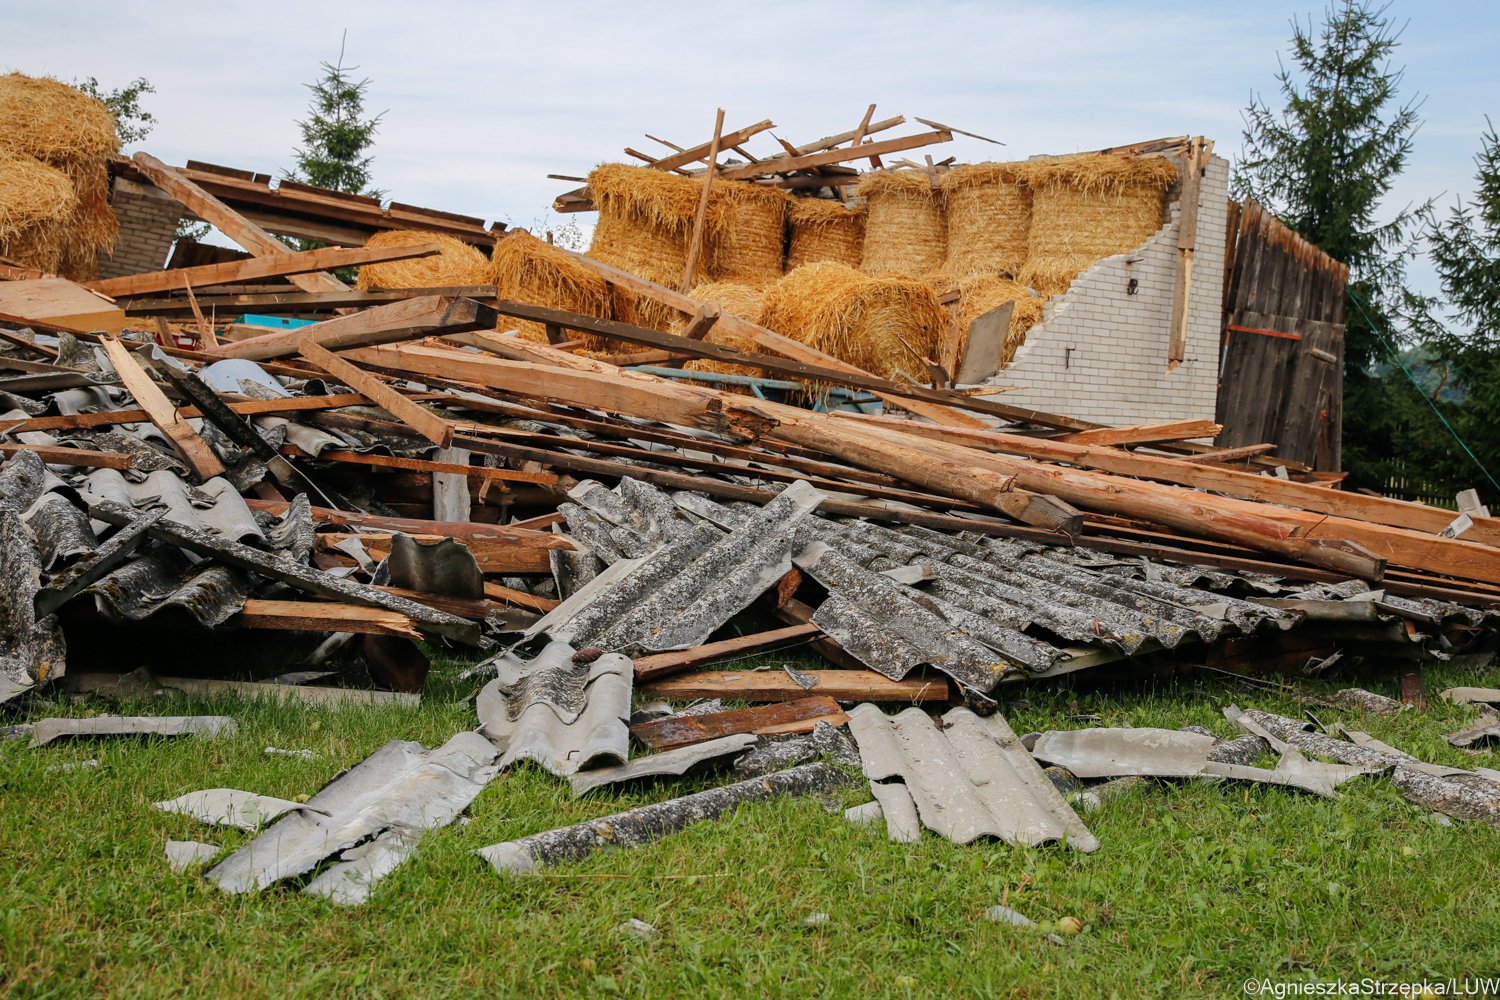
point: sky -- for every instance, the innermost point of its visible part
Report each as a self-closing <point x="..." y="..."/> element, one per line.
<point x="482" y="100"/>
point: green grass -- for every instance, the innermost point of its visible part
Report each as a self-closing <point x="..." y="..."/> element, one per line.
<point x="1197" y="886"/>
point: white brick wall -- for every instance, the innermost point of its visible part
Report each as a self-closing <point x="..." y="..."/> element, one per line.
<point x="1100" y="354"/>
<point x="148" y="225"/>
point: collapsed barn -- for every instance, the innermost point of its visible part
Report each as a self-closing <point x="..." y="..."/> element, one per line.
<point x="950" y="426"/>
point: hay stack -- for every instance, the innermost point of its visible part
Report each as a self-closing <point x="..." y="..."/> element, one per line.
<point x="645" y="223"/>
<point x="904" y="229"/>
<point x="825" y="230"/>
<point x="34" y="201"/>
<point x="1085" y="208"/>
<point x="751" y="242"/>
<point x="537" y="273"/>
<point x="744" y="301"/>
<point x="71" y="132"/>
<point x="883" y="325"/>
<point x="458" y="264"/>
<point x="979" y="293"/>
<point x="989" y="217"/>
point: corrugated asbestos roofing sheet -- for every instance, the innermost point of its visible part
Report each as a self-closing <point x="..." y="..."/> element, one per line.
<point x="967" y="777"/>
<point x="563" y="714"/>
<point x="980" y="609"/>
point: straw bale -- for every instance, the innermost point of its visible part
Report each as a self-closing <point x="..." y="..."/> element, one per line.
<point x="535" y="272"/>
<point x="53" y="122"/>
<point x="30" y="193"/>
<point x="750" y="245"/>
<point x="988" y="207"/>
<point x="904" y="229"/>
<point x="824" y="230"/>
<point x="742" y="300"/>
<point x="457" y="264"/>
<point x="884" y="325"/>
<point x="1088" y="207"/>
<point x="980" y="293"/>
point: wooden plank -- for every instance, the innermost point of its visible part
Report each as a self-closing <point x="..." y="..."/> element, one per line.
<point x="493" y="555"/>
<point x="810" y="160"/>
<point x="260" y="299"/>
<point x="658" y="665"/>
<point x="510" y="534"/>
<point x="294" y="404"/>
<point x="830" y="141"/>
<point x="1230" y="454"/>
<point x="210" y="209"/>
<point x="766" y="686"/>
<point x="279" y="265"/>
<point x="520" y="598"/>
<point x="799" y="715"/>
<point x="60" y="302"/>
<point x="405" y="320"/>
<point x="1190" y="193"/>
<point x="695" y="242"/>
<point x="322" y="616"/>
<point x="15" y="338"/>
<point x="1175" y="430"/>
<point x="701" y="321"/>
<point x="161" y="412"/>
<point x="426" y="423"/>
<point x="700" y="152"/>
<point x="71" y="456"/>
<point x="425" y="465"/>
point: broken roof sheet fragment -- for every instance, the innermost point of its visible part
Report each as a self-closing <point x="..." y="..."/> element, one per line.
<point x="48" y="730"/>
<point x="668" y="762"/>
<point x="648" y="823"/>
<point x="969" y="779"/>
<point x="229" y="807"/>
<point x="399" y="791"/>
<point x="184" y="854"/>
<point x="561" y="714"/>
<point x="1486" y="730"/>
<point x="31" y="647"/>
<point x="1472" y="696"/>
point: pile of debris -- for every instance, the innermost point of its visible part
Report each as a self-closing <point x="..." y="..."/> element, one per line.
<point x="379" y="466"/>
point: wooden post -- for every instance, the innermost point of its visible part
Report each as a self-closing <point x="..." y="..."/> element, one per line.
<point x="1194" y="159"/>
<point x="695" y="245"/>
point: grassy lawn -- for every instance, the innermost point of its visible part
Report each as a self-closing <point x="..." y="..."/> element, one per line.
<point x="1197" y="886"/>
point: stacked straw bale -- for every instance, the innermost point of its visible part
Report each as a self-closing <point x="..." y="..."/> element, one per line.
<point x="825" y="230"/>
<point x="1085" y="208"/>
<point x="55" y="125"/>
<point x="529" y="270"/>
<point x="32" y="197"/>
<point x="751" y="242"/>
<point x="645" y="224"/>
<point x="744" y="301"/>
<point x="904" y="229"/>
<point x="988" y="207"/>
<point x="884" y="325"/>
<point x="979" y="293"/>
<point x="458" y="264"/>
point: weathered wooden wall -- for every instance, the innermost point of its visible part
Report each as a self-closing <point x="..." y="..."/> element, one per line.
<point x="1281" y="370"/>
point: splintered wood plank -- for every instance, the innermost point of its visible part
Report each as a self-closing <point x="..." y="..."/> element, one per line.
<point x="71" y="456"/>
<point x="841" y="685"/>
<point x="425" y="465"/>
<point x="494" y="556"/>
<point x="161" y="412"/>
<point x="294" y="404"/>
<point x="320" y="616"/>
<point x="286" y="264"/>
<point x="830" y="156"/>
<point x="210" y="209"/>
<point x="406" y="320"/>
<point x="61" y="303"/>
<point x="1176" y="430"/>
<point x="664" y="664"/>
<point x="796" y="716"/>
<point x="518" y="597"/>
<point x="426" y="423"/>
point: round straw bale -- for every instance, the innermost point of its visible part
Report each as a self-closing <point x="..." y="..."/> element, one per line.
<point x="457" y="264"/>
<point x="537" y="273"/>
<point x="904" y="229"/>
<point x="645" y="224"/>
<point x="751" y="242"/>
<point x="884" y="325"/>
<point x="824" y="230"/>
<point x="30" y="193"/>
<point x="744" y="301"/>
<point x="979" y="293"/>
<point x="53" y="122"/>
<point x="989" y="216"/>
<point x="1085" y="208"/>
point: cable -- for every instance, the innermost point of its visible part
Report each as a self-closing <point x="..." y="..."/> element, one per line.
<point x="1375" y="329"/>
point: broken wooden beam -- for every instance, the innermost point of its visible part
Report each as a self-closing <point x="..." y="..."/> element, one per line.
<point x="161" y="412"/>
<point x="320" y="616"/>
<point x="799" y="715"/>
<point x="279" y="265"/>
<point x="657" y="665"/>
<point x="60" y="455"/>
<point x="765" y="685"/>
<point x="426" y="423"/>
<point x="406" y="320"/>
<point x="1176" y="430"/>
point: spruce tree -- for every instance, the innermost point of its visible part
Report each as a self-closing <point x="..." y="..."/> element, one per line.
<point x="336" y="135"/>
<point x="1324" y="163"/>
